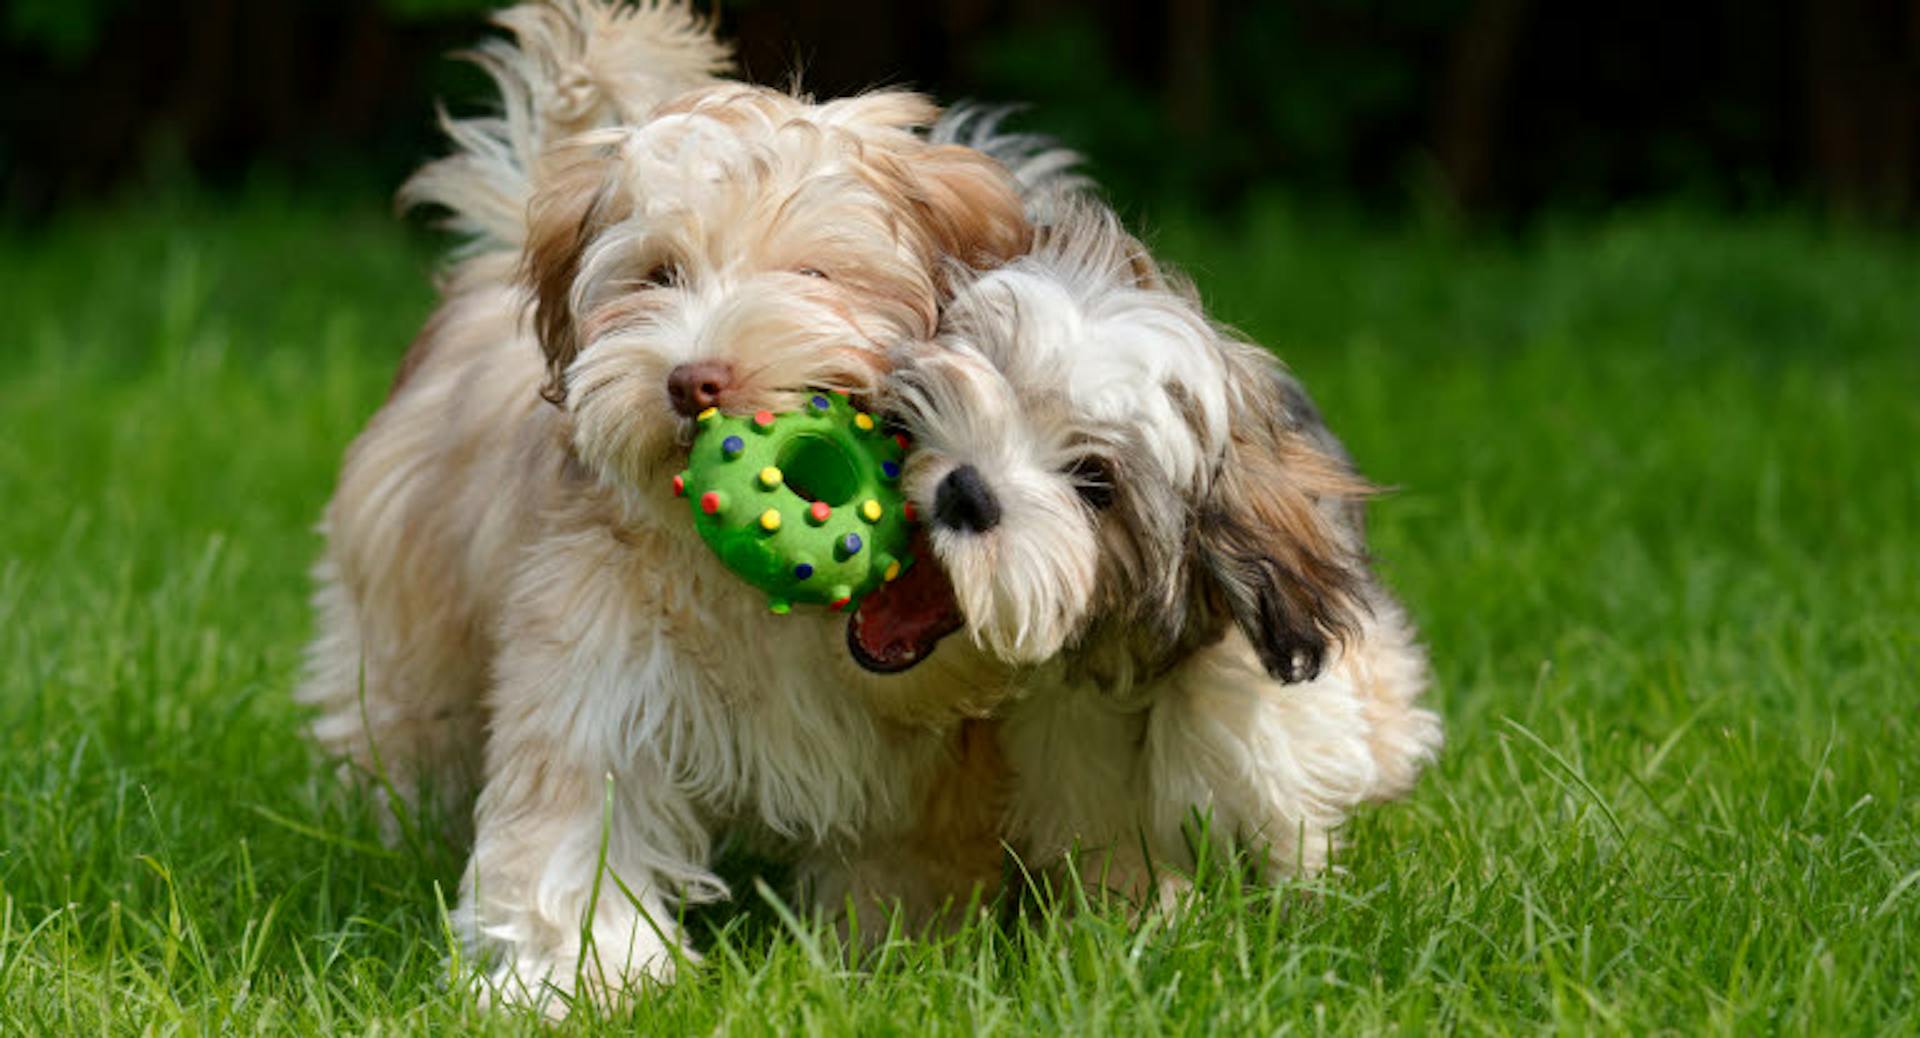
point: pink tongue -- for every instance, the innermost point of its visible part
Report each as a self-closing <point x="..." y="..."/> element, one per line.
<point x="898" y="625"/>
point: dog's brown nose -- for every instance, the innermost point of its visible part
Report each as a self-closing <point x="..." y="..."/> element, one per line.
<point x="697" y="386"/>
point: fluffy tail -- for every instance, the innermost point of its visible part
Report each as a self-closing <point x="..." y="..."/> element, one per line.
<point x="571" y="66"/>
<point x="1048" y="174"/>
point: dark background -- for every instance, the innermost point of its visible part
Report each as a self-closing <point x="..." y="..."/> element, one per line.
<point x="1487" y="110"/>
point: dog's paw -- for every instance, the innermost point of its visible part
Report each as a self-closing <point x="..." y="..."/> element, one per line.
<point x="1290" y="657"/>
<point x="555" y="985"/>
<point x="523" y="983"/>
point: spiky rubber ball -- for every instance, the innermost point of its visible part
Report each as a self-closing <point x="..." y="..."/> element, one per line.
<point x="805" y="505"/>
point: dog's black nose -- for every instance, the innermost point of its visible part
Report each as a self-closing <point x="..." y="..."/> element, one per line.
<point x="963" y="501"/>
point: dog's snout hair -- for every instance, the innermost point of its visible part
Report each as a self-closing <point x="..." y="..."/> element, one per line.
<point x="1084" y="358"/>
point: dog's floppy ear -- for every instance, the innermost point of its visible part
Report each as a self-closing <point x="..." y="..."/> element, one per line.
<point x="969" y="206"/>
<point x="1272" y="546"/>
<point x="965" y="205"/>
<point x="579" y="194"/>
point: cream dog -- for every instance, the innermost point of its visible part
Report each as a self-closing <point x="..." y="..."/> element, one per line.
<point x="509" y="591"/>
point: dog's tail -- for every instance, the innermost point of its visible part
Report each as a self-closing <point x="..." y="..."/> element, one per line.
<point x="1048" y="173"/>
<point x="571" y="66"/>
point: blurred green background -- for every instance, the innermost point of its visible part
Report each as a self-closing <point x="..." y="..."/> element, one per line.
<point x="1492" y="109"/>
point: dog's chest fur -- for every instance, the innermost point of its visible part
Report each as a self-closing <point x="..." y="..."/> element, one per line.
<point x="762" y="720"/>
<point x="616" y="641"/>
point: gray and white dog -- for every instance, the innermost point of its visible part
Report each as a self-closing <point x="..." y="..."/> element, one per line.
<point x="1146" y="516"/>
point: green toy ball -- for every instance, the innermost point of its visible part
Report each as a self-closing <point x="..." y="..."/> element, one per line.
<point x="804" y="505"/>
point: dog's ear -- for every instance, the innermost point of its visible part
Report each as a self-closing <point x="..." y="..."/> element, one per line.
<point x="579" y="194"/>
<point x="1273" y="548"/>
<point x="965" y="205"/>
<point x="969" y="206"/>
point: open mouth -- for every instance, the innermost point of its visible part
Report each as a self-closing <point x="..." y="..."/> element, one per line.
<point x="899" y="624"/>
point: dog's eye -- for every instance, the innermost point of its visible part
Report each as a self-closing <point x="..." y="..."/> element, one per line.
<point x="1093" y="480"/>
<point x="813" y="272"/>
<point x="663" y="275"/>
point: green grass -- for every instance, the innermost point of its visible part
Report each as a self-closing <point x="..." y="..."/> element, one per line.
<point x="1659" y="516"/>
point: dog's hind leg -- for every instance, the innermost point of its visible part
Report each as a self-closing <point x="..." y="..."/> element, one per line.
<point x="1389" y="674"/>
<point x="1275" y="768"/>
<point x="398" y="705"/>
<point x="421" y="532"/>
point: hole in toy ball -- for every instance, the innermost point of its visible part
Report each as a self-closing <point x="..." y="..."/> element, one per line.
<point x="819" y="470"/>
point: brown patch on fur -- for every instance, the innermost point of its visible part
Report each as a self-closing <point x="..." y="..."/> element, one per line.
<point x="962" y="205"/>
<point x="970" y="206"/>
<point x="957" y="833"/>
<point x="1145" y="273"/>
<point x="1279" y="565"/>
<point x="907" y="295"/>
<point x="578" y="198"/>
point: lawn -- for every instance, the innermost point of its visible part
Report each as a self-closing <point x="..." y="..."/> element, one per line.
<point x="1658" y="513"/>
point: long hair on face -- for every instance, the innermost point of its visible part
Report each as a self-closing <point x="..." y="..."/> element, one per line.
<point x="1156" y="477"/>
<point x="791" y="242"/>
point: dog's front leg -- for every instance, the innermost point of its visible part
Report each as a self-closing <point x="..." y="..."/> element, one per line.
<point x="583" y="842"/>
<point x="1078" y="793"/>
<point x="574" y="869"/>
<point x="1273" y="768"/>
